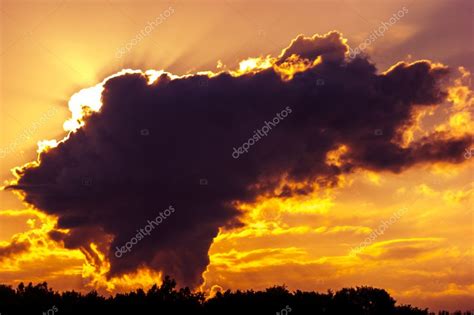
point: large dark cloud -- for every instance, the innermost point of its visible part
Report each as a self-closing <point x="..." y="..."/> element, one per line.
<point x="150" y="145"/>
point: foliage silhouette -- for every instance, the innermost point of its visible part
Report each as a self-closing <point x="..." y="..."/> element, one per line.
<point x="167" y="299"/>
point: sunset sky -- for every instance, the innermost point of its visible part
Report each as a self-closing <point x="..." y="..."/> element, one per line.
<point x="285" y="218"/>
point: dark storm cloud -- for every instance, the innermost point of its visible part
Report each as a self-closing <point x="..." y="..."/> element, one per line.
<point x="329" y="47"/>
<point x="152" y="146"/>
<point x="15" y="247"/>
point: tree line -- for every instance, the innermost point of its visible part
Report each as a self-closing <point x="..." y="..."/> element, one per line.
<point x="167" y="299"/>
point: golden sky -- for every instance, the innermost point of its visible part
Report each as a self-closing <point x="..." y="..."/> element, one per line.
<point x="425" y="255"/>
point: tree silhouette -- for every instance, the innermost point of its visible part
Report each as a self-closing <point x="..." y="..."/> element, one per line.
<point x="167" y="299"/>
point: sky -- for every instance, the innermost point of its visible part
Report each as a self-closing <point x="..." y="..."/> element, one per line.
<point x="335" y="196"/>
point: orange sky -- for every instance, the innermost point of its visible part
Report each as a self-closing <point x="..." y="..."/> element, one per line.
<point x="52" y="49"/>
